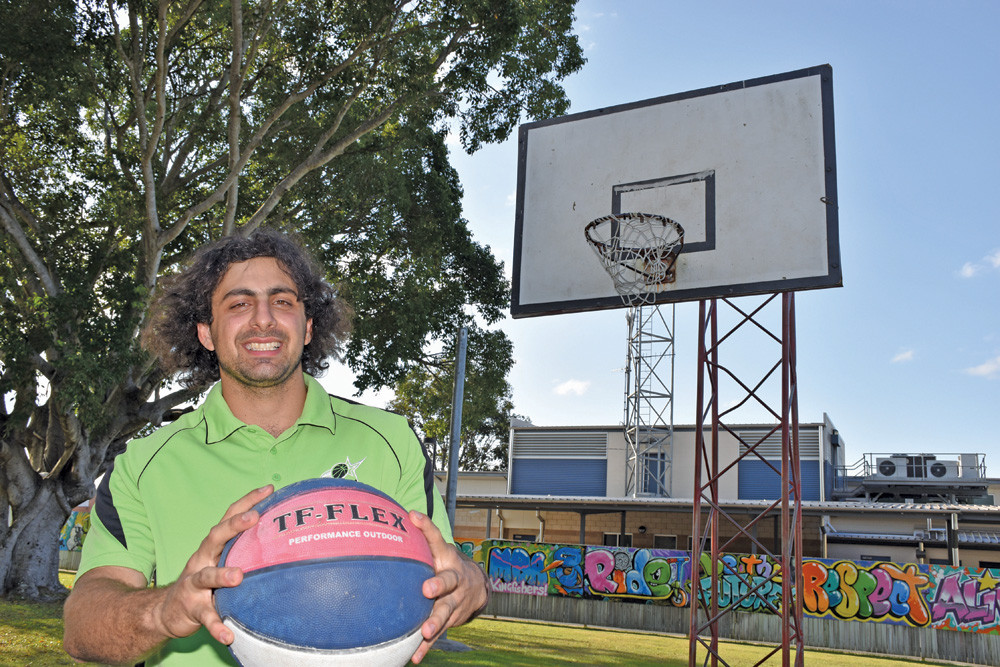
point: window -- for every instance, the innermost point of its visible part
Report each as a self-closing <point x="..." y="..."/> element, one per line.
<point x="519" y="537"/>
<point x="616" y="540"/>
<point x="664" y="541"/>
<point x="705" y="549"/>
<point x="877" y="559"/>
<point x="654" y="473"/>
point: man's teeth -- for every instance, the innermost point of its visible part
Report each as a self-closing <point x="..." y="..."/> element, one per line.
<point x="263" y="347"/>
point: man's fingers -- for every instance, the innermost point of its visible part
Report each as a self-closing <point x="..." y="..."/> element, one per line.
<point x="219" y="631"/>
<point x="248" y="501"/>
<point x="239" y="517"/>
<point x="441" y="584"/>
<point x="435" y="540"/>
<point x="211" y="578"/>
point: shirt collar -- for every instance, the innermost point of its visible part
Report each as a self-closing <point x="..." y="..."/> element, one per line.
<point x="220" y="422"/>
<point x="318" y="410"/>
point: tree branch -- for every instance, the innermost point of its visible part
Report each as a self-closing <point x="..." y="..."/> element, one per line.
<point x="235" y="90"/>
<point x="27" y="251"/>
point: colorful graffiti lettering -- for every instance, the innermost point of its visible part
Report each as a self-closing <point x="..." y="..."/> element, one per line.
<point x="865" y="591"/>
<point x="638" y="573"/>
<point x="964" y="599"/>
<point x="747" y="582"/>
<point x="567" y="571"/>
<point x="641" y="575"/>
<point x="515" y="570"/>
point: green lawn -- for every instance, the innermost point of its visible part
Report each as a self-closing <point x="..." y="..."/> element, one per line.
<point x="31" y="634"/>
<point x="504" y="643"/>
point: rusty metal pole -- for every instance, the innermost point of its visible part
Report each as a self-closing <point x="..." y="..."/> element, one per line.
<point x="696" y="508"/>
<point x="791" y="497"/>
<point x="713" y="519"/>
<point x="786" y="464"/>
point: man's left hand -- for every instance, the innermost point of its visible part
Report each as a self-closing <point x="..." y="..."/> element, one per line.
<point x="459" y="587"/>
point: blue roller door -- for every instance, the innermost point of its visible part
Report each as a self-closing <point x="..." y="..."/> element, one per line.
<point x="759" y="482"/>
<point x="559" y="477"/>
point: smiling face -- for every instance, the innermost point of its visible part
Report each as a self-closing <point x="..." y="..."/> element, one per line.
<point x="259" y="326"/>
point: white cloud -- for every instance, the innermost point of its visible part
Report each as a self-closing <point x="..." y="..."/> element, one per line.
<point x="902" y="356"/>
<point x="989" y="369"/>
<point x="574" y="387"/>
<point x="511" y="199"/>
<point x="990" y="261"/>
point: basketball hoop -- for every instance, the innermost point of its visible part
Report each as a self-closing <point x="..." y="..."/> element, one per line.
<point x="639" y="251"/>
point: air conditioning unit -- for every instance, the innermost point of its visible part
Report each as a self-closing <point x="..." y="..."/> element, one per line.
<point x="969" y="465"/>
<point x="942" y="470"/>
<point x="893" y="467"/>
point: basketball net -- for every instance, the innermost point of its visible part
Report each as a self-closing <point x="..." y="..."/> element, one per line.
<point x="639" y="251"/>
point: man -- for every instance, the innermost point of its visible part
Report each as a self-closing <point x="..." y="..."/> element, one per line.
<point x="254" y="313"/>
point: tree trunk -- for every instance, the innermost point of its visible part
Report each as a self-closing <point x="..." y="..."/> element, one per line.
<point x="29" y="565"/>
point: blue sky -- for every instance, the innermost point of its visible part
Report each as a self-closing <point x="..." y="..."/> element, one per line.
<point x="906" y="356"/>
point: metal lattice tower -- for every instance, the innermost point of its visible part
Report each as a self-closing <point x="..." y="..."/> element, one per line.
<point x="773" y="388"/>
<point x="649" y="404"/>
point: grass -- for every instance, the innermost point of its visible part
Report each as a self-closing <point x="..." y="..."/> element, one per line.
<point x="504" y="643"/>
<point x="31" y="635"/>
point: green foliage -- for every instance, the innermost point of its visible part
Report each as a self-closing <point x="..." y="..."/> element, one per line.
<point x="132" y="132"/>
<point x="425" y="396"/>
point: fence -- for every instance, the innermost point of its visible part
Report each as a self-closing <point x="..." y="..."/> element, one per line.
<point x="923" y="611"/>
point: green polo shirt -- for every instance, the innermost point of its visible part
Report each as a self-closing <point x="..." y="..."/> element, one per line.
<point x="163" y="494"/>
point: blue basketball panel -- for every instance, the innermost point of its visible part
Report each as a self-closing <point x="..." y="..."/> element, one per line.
<point x="331" y="604"/>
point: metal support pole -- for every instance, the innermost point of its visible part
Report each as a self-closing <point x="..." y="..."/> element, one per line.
<point x="715" y="529"/>
<point x="455" y="441"/>
<point x="952" y="536"/>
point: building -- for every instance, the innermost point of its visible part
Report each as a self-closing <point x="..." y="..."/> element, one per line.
<point x="567" y="485"/>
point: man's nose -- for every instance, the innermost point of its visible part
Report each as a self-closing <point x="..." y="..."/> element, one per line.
<point x="263" y="317"/>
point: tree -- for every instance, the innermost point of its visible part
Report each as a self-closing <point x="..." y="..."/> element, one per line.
<point x="132" y="131"/>
<point x="425" y="393"/>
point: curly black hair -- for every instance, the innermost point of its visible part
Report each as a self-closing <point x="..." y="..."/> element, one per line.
<point x="183" y="300"/>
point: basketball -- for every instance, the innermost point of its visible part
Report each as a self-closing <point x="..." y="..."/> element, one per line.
<point x="332" y="575"/>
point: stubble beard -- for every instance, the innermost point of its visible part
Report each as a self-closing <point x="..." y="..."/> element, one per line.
<point x="261" y="373"/>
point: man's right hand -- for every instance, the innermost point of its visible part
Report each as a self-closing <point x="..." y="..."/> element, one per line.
<point x="112" y="617"/>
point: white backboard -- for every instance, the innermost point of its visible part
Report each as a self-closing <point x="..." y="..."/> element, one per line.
<point x="748" y="169"/>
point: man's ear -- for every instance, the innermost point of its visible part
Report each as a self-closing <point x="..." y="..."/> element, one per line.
<point x="205" y="336"/>
<point x="309" y="331"/>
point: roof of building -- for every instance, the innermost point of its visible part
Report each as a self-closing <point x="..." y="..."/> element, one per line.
<point x="592" y="504"/>
<point x="677" y="427"/>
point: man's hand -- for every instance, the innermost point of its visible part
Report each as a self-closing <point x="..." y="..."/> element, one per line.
<point x="459" y="587"/>
<point x="111" y="616"/>
<point x="188" y="603"/>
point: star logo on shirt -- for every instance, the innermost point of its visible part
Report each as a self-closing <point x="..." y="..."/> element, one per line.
<point x="344" y="470"/>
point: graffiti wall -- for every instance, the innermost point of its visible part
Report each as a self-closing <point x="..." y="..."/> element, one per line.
<point x="640" y="575"/>
<point x="75" y="529"/>
<point x="909" y="594"/>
